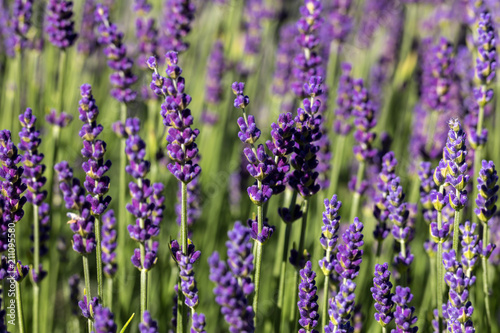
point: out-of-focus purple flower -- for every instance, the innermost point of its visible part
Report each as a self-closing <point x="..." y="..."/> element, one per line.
<point x="116" y="52"/>
<point x="376" y="13"/>
<point x="108" y="243"/>
<point x="441" y="71"/>
<point x="339" y="23"/>
<point x="81" y="220"/>
<point x="20" y="23"/>
<point x="12" y="186"/>
<point x="74" y="292"/>
<point x="284" y="60"/>
<point x="343" y="111"/>
<point x="148" y="325"/>
<point x="403" y="313"/>
<point x="231" y="296"/>
<point x="177" y="18"/>
<point x="198" y="323"/>
<point x="88" y="307"/>
<point x="146" y="33"/>
<point x="186" y="262"/>
<point x="238" y="182"/>
<point x="381" y="293"/>
<point x="341" y="308"/>
<point x="61" y="120"/>
<point x="458" y="310"/>
<point x="87" y="41"/>
<point x="470" y="249"/>
<point x="216" y="66"/>
<point x="329" y="234"/>
<point x="381" y="209"/>
<point x="95" y="167"/>
<point x="104" y="320"/>
<point x="350" y="254"/>
<point x="255" y="13"/>
<point x="308" y="300"/>
<point x="308" y="62"/>
<point x="181" y="145"/>
<point x="239" y="253"/>
<point x="60" y="27"/>
<point x="364" y="111"/>
<point x="494" y="225"/>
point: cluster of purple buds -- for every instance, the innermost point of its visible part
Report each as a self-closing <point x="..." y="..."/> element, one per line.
<point x="381" y="210"/>
<point x="108" y="243"/>
<point x="239" y="254"/>
<point x="95" y="167"/>
<point x="426" y="186"/>
<point x="458" y="310"/>
<point x="470" y="249"/>
<point x="20" y="23"/>
<point x="440" y="73"/>
<point x="81" y="220"/>
<point x="402" y="229"/>
<point x="181" y="145"/>
<point x="308" y="300"/>
<point x="341" y="308"/>
<point x="216" y="65"/>
<point x="284" y="60"/>
<point x="345" y="92"/>
<point x="231" y="295"/>
<point x="255" y="12"/>
<point x="12" y="187"/>
<point x="146" y="33"/>
<point x="60" y="27"/>
<point x="116" y="52"/>
<point x="35" y="180"/>
<point x="350" y="254"/>
<point x="329" y="234"/>
<point x="148" y="324"/>
<point x="178" y="16"/>
<point x="198" y="323"/>
<point x="364" y="111"/>
<point x="486" y="201"/>
<point x="87" y="41"/>
<point x="340" y="23"/>
<point x="104" y="320"/>
<point x="452" y="169"/>
<point x="19" y="272"/>
<point x="308" y="62"/>
<point x="403" y="313"/>
<point x="87" y="307"/>
<point x="60" y="120"/>
<point x="304" y="160"/>
<point x="381" y="293"/>
<point x="186" y="265"/>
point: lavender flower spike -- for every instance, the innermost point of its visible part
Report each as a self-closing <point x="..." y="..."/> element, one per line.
<point x="198" y="323"/>
<point x="308" y="300"/>
<point x="104" y="321"/>
<point x="329" y="230"/>
<point x="60" y="28"/>
<point x="148" y="325"/>
<point x="350" y="254"/>
<point x="342" y="308"/>
<point x="109" y="243"/>
<point x="186" y="262"/>
<point x="403" y="314"/>
<point x="20" y="23"/>
<point x="381" y="293"/>
<point x="178" y="16"/>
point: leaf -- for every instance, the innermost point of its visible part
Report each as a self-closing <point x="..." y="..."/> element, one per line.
<point x="127" y="323"/>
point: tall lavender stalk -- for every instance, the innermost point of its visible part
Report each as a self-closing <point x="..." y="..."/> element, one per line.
<point x="381" y="293"/>
<point x="182" y="150"/>
<point x="35" y="180"/>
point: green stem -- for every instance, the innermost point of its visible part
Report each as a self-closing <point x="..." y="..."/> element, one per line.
<point x="337" y="164"/>
<point x="258" y="262"/>
<point x="486" y="287"/>
<point x="439" y="269"/>
<point x="20" y="90"/>
<point x="144" y="287"/>
<point x="36" y="261"/>
<point x="357" y="196"/>
<point x="86" y="274"/>
<point x="384" y="330"/>
<point x="98" y="257"/>
<point x="181" y="308"/>
<point x="62" y="75"/>
<point x="109" y="292"/>
<point x="326" y="294"/>
<point x="19" y="302"/>
<point x="122" y="214"/>
<point x="456" y="224"/>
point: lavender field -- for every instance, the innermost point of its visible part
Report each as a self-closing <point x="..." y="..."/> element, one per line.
<point x="249" y="166"/>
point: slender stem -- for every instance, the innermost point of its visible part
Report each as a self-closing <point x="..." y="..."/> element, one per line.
<point x="86" y="274"/>
<point x="357" y="196"/>
<point x="109" y="292"/>
<point x="36" y="263"/>
<point x="20" y="91"/>
<point x="456" y="224"/>
<point x="439" y="268"/>
<point x="122" y="214"/>
<point x="98" y="257"/>
<point x="379" y="249"/>
<point x="326" y="294"/>
<point x="144" y="287"/>
<point x="181" y="307"/>
<point x="281" y="289"/>
<point x="337" y="164"/>
<point x="384" y="330"/>
<point x="258" y="262"/>
<point x="486" y="287"/>
<point x="19" y="302"/>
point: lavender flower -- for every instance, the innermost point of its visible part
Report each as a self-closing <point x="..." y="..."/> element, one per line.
<point x="488" y="189"/>
<point x="426" y="186"/>
<point x="88" y="307"/>
<point x="239" y="253"/>
<point x="146" y="33"/>
<point x="308" y="300"/>
<point x="198" y="323"/>
<point x="108" y="244"/>
<point x="458" y="310"/>
<point x="231" y="296"/>
<point x="104" y="320"/>
<point x="216" y="65"/>
<point x="381" y="210"/>
<point x="19" y="272"/>
<point x="329" y="234"/>
<point x="341" y="308"/>
<point x="60" y="28"/>
<point x="20" y="23"/>
<point x="339" y="24"/>
<point x="181" y="146"/>
<point x="96" y="183"/>
<point x="308" y="62"/>
<point x="403" y="314"/>
<point x="363" y="110"/>
<point x="60" y="120"/>
<point x="178" y="16"/>
<point x="81" y="221"/>
<point x="148" y="325"/>
<point x="343" y="112"/>
<point x="186" y="262"/>
<point x="350" y="254"/>
<point x="255" y="13"/>
<point x="381" y="293"/>
<point x="87" y="43"/>
<point x="470" y="249"/>
<point x="284" y="60"/>
<point x="74" y="292"/>
<point x="123" y="78"/>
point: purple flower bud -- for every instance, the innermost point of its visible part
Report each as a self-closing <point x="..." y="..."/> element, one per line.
<point x="308" y="300"/>
<point x="186" y="262"/>
<point x="108" y="243"/>
<point x="350" y="254"/>
<point x="60" y="120"/>
<point x="403" y="314"/>
<point x="329" y="236"/>
<point x="20" y="23"/>
<point x="88" y="307"/>
<point x="177" y="19"/>
<point x="60" y="28"/>
<point x="341" y="307"/>
<point x="198" y="323"/>
<point x="148" y="325"/>
<point x="104" y="320"/>
<point x="487" y="192"/>
<point x="19" y="271"/>
<point x="87" y="42"/>
<point x="381" y="293"/>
